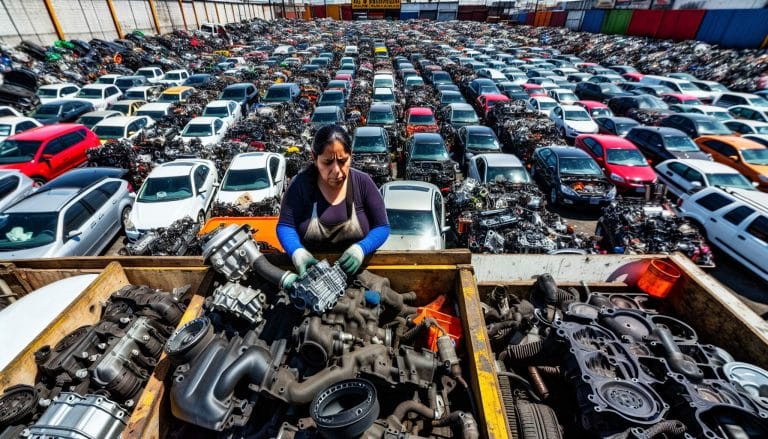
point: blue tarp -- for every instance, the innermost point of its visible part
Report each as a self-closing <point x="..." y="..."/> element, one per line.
<point x="593" y="21"/>
<point x="521" y="18"/>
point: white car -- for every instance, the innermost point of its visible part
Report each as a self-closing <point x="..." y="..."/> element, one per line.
<point x="174" y="190"/>
<point x="255" y="175"/>
<point x="148" y="93"/>
<point x="109" y="78"/>
<point x="52" y="92"/>
<point x="174" y="77"/>
<point x="742" y="126"/>
<point x="563" y="96"/>
<point x="210" y="130"/>
<point x="155" y="110"/>
<point x="10" y="125"/>
<point x="153" y="74"/>
<point x="122" y="127"/>
<point x="100" y="95"/>
<point x="572" y="120"/>
<point x="228" y="111"/>
<point x="686" y="176"/>
<point x="735" y="221"/>
<point x="416" y="213"/>
<point x="91" y="118"/>
<point x="542" y="104"/>
<point x="9" y="111"/>
<point x="14" y="186"/>
<point x="718" y="113"/>
<point x="487" y="168"/>
<point x="749" y="112"/>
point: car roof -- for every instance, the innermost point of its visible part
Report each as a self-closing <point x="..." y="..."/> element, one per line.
<point x="379" y="90"/>
<point x="427" y="137"/>
<point x="45" y="132"/>
<point x="408" y="195"/>
<point x="381" y="107"/>
<point x="704" y="166"/>
<point x="592" y="104"/>
<point x="247" y="84"/>
<point x="82" y="178"/>
<point x="175" y="168"/>
<point x="59" y="102"/>
<point x="735" y="141"/>
<point x="118" y="121"/>
<point x="156" y="106"/>
<point x="756" y="199"/>
<point x="664" y="131"/>
<point x="573" y="107"/>
<point x="506" y="160"/>
<point x="478" y="129"/>
<point x="326" y="109"/>
<point x="45" y="201"/>
<point x="59" y="85"/>
<point x="250" y="160"/>
<point x="202" y="120"/>
<point x="368" y="131"/>
<point x="567" y="151"/>
<point x="420" y="111"/>
<point x="220" y="103"/>
<point x="611" y="142"/>
<point x="104" y="113"/>
<point x="97" y="86"/>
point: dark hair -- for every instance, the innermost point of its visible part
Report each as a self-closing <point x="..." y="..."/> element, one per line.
<point x="329" y="134"/>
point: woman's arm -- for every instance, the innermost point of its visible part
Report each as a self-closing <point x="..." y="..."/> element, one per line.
<point x="373" y="205"/>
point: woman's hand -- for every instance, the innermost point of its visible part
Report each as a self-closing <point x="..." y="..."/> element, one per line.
<point x="302" y="260"/>
<point x="351" y="260"/>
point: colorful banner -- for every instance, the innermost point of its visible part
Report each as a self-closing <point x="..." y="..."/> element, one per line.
<point x="375" y="4"/>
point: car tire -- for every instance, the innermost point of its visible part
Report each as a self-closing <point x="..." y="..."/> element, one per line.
<point x="38" y="181"/>
<point x="124" y="214"/>
<point x="553" y="197"/>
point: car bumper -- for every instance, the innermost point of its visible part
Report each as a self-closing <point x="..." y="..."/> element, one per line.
<point x="583" y="200"/>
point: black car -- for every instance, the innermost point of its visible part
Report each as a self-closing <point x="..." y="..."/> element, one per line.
<point x="645" y="109"/>
<point x="199" y="80"/>
<point x="437" y="77"/>
<point x="618" y="126"/>
<point x="62" y="110"/>
<point x="427" y="159"/>
<point x="18" y="88"/>
<point x="647" y="89"/>
<point x="590" y="91"/>
<point x="371" y="149"/>
<point x="475" y="139"/>
<point x="513" y="91"/>
<point x="479" y="86"/>
<point x="696" y="125"/>
<point x="244" y="92"/>
<point x="662" y="143"/>
<point x="571" y="177"/>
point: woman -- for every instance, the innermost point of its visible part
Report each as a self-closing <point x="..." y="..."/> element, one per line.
<point x="331" y="207"/>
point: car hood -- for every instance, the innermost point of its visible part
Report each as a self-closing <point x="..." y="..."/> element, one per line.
<point x="583" y="126"/>
<point x="633" y="174"/>
<point x="146" y="216"/>
<point x="45" y="251"/>
<point x="691" y="155"/>
<point x="410" y="242"/>
<point x="232" y="196"/>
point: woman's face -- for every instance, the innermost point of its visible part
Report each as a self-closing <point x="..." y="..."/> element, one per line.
<point x="333" y="164"/>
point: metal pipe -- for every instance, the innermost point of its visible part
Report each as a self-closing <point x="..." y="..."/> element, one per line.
<point x="205" y="8"/>
<point x="218" y="17"/>
<point x="154" y="16"/>
<point x="54" y="19"/>
<point x="183" y="15"/>
<point x="538" y="382"/>
<point x="114" y="19"/>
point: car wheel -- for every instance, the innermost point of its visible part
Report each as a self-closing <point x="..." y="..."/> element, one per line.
<point x="124" y="216"/>
<point x="553" y="196"/>
<point x="38" y="181"/>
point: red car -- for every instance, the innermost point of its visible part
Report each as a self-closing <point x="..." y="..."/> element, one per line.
<point x="633" y="77"/>
<point x="345" y="77"/>
<point x="595" y="108"/>
<point x="487" y="101"/>
<point x="678" y="98"/>
<point x="620" y="160"/>
<point x="46" y="152"/>
<point x="534" y="90"/>
<point x="420" y="120"/>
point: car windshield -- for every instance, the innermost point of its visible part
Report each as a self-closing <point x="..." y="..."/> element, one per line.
<point x="217" y="111"/>
<point x="47" y="92"/>
<point x="152" y="114"/>
<point x="609" y="88"/>
<point x="421" y="119"/>
<point x="134" y="95"/>
<point x="579" y="166"/>
<point x="464" y="116"/>
<point x="758" y="101"/>
<point x="195" y="79"/>
<point x="124" y="82"/>
<point x="17" y="151"/>
<point x="173" y="76"/>
<point x="123" y="108"/>
<point x="713" y="127"/>
<point x="733" y="180"/>
<point x="108" y="132"/>
<point x="245" y="180"/>
<point x="567" y="97"/>
<point x="274" y="94"/>
<point x="197" y="130"/>
<point x="483" y="141"/>
<point x="90" y="121"/>
<point x="755" y="156"/>
<point x="625" y="157"/>
<point x="623" y="128"/>
<point x="411" y="222"/>
<point x="507" y="173"/>
<point x="680" y="144"/>
<point x="90" y="93"/>
<point x="48" y="110"/>
<point x="20" y="231"/>
<point x="577" y="115"/>
<point x="687" y="86"/>
<point x="383" y="82"/>
<point x="324" y="117"/>
<point x="146" y="73"/>
<point x="547" y="105"/>
<point x="651" y="102"/>
<point x="5" y="130"/>
<point x="106" y="80"/>
<point x="160" y="189"/>
<point x="235" y="93"/>
<point x="381" y="117"/>
<point x="601" y="112"/>
<point x="369" y="144"/>
<point x="169" y="97"/>
<point x="429" y="151"/>
<point x="720" y="115"/>
<point x="449" y="98"/>
<point x="330" y="98"/>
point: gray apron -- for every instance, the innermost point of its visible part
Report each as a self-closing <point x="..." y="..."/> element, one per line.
<point x="319" y="237"/>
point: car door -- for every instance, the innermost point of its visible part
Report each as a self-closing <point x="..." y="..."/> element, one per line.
<point x="674" y="176"/>
<point x="753" y="241"/>
<point x="77" y="238"/>
<point x="595" y="150"/>
<point x="103" y="218"/>
<point x="273" y="166"/>
<point x="52" y="158"/>
<point x="203" y="181"/>
<point x="73" y="152"/>
<point x="557" y="116"/>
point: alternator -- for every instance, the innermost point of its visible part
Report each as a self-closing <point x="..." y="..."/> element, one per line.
<point x="320" y="287"/>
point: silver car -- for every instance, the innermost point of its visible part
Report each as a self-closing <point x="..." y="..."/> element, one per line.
<point x="416" y="212"/>
<point x="76" y="214"/>
<point x="13" y="187"/>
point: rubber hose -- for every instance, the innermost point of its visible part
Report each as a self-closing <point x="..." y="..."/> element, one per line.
<point x="668" y="427"/>
<point x="412" y="406"/>
<point x="506" y="325"/>
<point x="253" y="363"/>
<point x="463" y="420"/>
<point x="269" y="272"/>
<point x="413" y="332"/>
<point x="522" y="351"/>
<point x="549" y="370"/>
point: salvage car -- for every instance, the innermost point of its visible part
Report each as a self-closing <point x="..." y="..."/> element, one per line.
<point x="475" y="139"/>
<point x="571" y="177"/>
<point x="172" y="191"/>
<point x="686" y="176"/>
<point x="416" y="214"/>
<point x="618" y="126"/>
<point x="122" y="127"/>
<point x="427" y="159"/>
<point x="14" y="186"/>
<point x="228" y="111"/>
<point x="252" y="177"/>
<point x="572" y="120"/>
<point x="101" y="96"/>
<point x="208" y="130"/>
<point x="68" y="110"/>
<point x="744" y="154"/>
<point x="487" y="168"/>
<point x="52" y="92"/>
<point x="696" y="125"/>
<point x="662" y="143"/>
<point x="11" y="125"/>
<point x="90" y="119"/>
<point x="620" y="160"/>
<point x="78" y="215"/>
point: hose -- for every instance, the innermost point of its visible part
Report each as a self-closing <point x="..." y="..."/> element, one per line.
<point x="465" y="421"/>
<point x="416" y="330"/>
<point x="538" y="382"/>
<point x="253" y="363"/>
<point x="269" y="272"/>
<point x="668" y="427"/>
<point x="412" y="406"/>
<point x="525" y="351"/>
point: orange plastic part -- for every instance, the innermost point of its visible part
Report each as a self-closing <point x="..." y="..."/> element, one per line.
<point x="265" y="228"/>
<point x="658" y="280"/>
<point x="438" y="310"/>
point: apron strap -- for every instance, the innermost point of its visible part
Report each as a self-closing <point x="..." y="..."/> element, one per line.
<point x="349" y="199"/>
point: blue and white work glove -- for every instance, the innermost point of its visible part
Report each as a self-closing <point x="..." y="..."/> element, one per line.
<point x="352" y="258"/>
<point x="302" y="260"/>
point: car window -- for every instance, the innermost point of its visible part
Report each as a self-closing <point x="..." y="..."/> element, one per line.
<point x="759" y="229"/>
<point x="713" y="201"/>
<point x="76" y="216"/>
<point x="95" y="199"/>
<point x="721" y="147"/>
<point x="24" y="126"/>
<point x="594" y="146"/>
<point x="54" y="146"/>
<point x="110" y="188"/>
<point x="200" y="174"/>
<point x="274" y="164"/>
<point x="438" y="206"/>
<point x="481" y="168"/>
<point x="694" y="175"/>
<point x="737" y="215"/>
<point x="678" y="168"/>
<point x="8" y="185"/>
<point x="217" y="124"/>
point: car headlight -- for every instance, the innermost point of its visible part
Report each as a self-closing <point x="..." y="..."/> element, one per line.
<point x="617" y="178"/>
<point x="612" y="193"/>
<point x="567" y="190"/>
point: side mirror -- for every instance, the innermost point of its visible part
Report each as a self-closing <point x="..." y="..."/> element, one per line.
<point x="735" y="158"/>
<point x="217" y="184"/>
<point x="73" y="234"/>
<point x="695" y="185"/>
<point x="46" y="158"/>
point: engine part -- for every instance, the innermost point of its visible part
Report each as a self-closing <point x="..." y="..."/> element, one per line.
<point x="79" y="417"/>
<point x="240" y="301"/>
<point x="17" y="404"/>
<point x="320" y="287"/>
<point x="345" y="409"/>
<point x="178" y="239"/>
<point x="751" y="378"/>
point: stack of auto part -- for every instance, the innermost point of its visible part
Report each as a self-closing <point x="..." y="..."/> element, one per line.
<point x="122" y="154"/>
<point x="178" y="239"/>
<point x="331" y="357"/>
<point x="609" y="365"/>
<point x="505" y="217"/>
<point x="246" y="207"/>
<point x="90" y="381"/>
<point x="521" y="129"/>
<point x="634" y="226"/>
